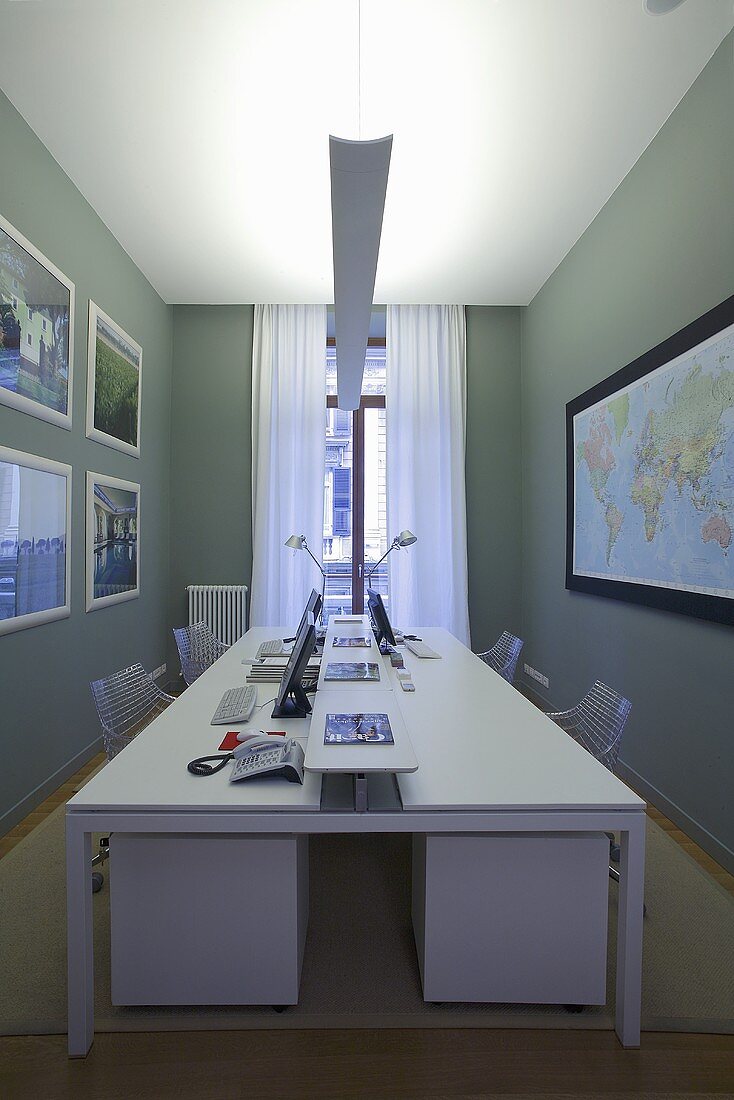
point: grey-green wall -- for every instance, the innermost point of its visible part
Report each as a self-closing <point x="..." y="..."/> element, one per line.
<point x="658" y="255"/>
<point x="211" y="520"/>
<point x="493" y="471"/>
<point x="48" y="725"/>
<point x="211" y="447"/>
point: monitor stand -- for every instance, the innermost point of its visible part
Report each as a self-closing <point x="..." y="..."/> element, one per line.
<point x="295" y="705"/>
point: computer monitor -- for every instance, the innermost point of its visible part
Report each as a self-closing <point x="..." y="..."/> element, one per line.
<point x="313" y="607"/>
<point x="291" y="700"/>
<point x="379" y="618"/>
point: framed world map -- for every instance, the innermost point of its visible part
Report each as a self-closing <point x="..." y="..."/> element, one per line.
<point x="650" y="476"/>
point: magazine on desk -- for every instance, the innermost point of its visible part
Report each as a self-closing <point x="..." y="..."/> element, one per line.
<point x="355" y="670"/>
<point x="352" y="643"/>
<point x="358" y="729"/>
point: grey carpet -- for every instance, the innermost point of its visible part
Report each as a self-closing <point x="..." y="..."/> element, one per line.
<point x="368" y="978"/>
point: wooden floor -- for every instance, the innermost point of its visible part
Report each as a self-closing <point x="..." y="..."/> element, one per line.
<point x="59" y="798"/>
<point x="381" y="1064"/>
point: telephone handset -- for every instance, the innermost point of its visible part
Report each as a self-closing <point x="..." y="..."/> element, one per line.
<point x="260" y="756"/>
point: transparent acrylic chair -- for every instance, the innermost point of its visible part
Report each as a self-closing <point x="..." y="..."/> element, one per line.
<point x="198" y="649"/>
<point x="503" y="655"/>
<point x="126" y="703"/>
<point x="597" y="723"/>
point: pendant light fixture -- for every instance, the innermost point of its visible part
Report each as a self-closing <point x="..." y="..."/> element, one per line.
<point x="359" y="171"/>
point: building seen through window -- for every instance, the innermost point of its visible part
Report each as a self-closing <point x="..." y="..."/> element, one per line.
<point x="355" y="489"/>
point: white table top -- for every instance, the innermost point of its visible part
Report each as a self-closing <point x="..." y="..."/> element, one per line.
<point x="398" y="757"/>
<point x="150" y="773"/>
<point x="492" y="748"/>
<point x="479" y="744"/>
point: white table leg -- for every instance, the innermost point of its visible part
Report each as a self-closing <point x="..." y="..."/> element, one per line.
<point x="629" y="932"/>
<point x="80" y="945"/>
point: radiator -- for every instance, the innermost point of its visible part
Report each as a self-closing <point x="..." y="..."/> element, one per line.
<point x="222" y="606"/>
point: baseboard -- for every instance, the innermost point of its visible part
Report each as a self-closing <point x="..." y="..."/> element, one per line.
<point x="21" y="809"/>
<point x="718" y="851"/>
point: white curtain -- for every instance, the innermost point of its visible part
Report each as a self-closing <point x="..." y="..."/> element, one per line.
<point x="288" y="454"/>
<point x="426" y="431"/>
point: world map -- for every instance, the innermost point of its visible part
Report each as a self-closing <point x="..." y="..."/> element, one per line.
<point x="654" y="476"/>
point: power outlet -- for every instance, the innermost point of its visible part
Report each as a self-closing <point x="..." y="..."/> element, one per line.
<point x="159" y="671"/>
<point x="535" y="675"/>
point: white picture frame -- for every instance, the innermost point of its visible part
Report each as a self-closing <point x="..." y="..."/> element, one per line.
<point x="113" y="411"/>
<point x="34" y="561"/>
<point x="44" y="362"/>
<point x="112" y="540"/>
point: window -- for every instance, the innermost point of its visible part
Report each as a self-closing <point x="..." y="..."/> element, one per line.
<point x="29" y="339"/>
<point x="45" y="324"/>
<point x="30" y="314"/>
<point x="355" y="481"/>
<point x="342" y="501"/>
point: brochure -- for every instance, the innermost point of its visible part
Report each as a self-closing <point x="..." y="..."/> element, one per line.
<point x="358" y="729"/>
<point x="352" y="643"/>
<point x="357" y="670"/>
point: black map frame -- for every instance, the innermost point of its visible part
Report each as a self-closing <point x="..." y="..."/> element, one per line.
<point x="701" y="605"/>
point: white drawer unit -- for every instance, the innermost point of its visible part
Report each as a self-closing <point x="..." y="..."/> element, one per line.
<point x="512" y="918"/>
<point x="207" y="919"/>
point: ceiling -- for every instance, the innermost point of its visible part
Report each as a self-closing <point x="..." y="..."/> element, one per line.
<point x="198" y="130"/>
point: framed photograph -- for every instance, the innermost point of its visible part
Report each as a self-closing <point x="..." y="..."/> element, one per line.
<point x="113" y="526"/>
<point x="36" y="331"/>
<point x="114" y="366"/>
<point x="35" y="533"/>
<point x="650" y="476"/>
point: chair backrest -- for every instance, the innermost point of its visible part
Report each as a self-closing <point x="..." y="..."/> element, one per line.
<point x="597" y="722"/>
<point x="126" y="703"/>
<point x="503" y="655"/>
<point x="198" y="649"/>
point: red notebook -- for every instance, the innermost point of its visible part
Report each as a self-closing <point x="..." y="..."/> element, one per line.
<point x="230" y="738"/>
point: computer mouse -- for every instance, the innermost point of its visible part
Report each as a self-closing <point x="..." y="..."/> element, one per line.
<point x="247" y="735"/>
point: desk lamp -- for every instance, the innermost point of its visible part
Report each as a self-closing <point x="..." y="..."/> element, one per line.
<point x="405" y="538"/>
<point x="298" y="542"/>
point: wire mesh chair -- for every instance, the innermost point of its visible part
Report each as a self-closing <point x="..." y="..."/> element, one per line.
<point x="126" y="703"/>
<point x="198" y="649"/>
<point x="597" y="723"/>
<point x="503" y="655"/>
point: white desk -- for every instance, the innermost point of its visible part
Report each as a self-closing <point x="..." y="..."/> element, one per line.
<point x="510" y="770"/>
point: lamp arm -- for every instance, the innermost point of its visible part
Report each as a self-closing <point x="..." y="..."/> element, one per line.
<point x="317" y="563"/>
<point x="321" y="570"/>
<point x="390" y="547"/>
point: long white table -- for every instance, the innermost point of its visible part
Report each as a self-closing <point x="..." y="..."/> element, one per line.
<point x="489" y="763"/>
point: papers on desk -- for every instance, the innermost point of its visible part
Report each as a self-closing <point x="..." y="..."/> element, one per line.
<point x="353" y="643"/>
<point x="358" y="729"/>
<point x="356" y="670"/>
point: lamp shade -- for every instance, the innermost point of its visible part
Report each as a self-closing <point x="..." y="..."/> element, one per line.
<point x="296" y="542"/>
<point x="406" y="538"/>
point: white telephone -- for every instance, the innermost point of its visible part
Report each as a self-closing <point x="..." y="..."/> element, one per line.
<point x="263" y="756"/>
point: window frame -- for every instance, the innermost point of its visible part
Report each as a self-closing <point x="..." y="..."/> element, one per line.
<point x="368" y="401"/>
